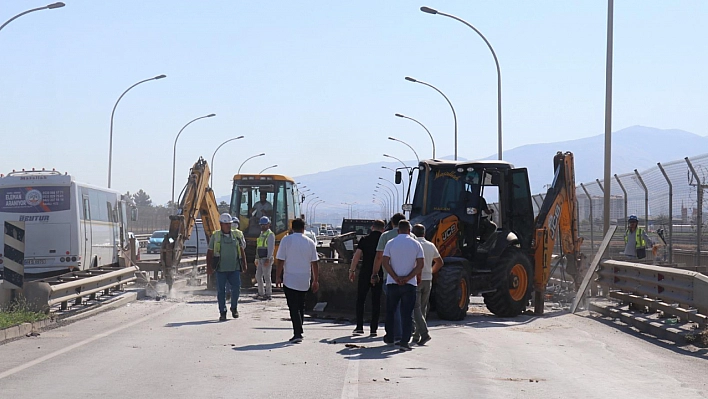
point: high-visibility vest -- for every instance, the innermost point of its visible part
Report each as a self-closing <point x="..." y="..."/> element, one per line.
<point x="237" y="235"/>
<point x="639" y="237"/>
<point x="262" y="242"/>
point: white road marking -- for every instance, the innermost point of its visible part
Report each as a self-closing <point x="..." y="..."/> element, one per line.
<point x="80" y="344"/>
<point x="351" y="379"/>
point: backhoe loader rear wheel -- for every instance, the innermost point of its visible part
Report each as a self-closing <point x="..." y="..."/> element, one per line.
<point x="452" y="292"/>
<point x="512" y="277"/>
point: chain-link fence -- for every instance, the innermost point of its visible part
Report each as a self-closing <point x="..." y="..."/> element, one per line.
<point x="669" y="200"/>
<point x="151" y="218"/>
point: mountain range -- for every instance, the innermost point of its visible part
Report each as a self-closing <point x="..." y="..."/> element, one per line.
<point x="636" y="147"/>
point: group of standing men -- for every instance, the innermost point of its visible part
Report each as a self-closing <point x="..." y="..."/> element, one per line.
<point x="401" y="265"/>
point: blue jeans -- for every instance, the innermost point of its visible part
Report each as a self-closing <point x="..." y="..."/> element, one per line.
<point x="405" y="296"/>
<point x="234" y="278"/>
<point x="396" y="315"/>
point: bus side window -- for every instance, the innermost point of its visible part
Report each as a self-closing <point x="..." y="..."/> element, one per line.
<point x="87" y="209"/>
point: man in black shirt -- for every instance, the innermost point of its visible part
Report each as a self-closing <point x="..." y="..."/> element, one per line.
<point x="366" y="251"/>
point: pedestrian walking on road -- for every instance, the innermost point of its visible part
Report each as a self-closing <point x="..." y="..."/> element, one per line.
<point x="366" y="251"/>
<point x="296" y="261"/>
<point x="226" y="257"/>
<point x="265" y="245"/>
<point x="636" y="240"/>
<point x="385" y="238"/>
<point x="432" y="262"/>
<point x="403" y="260"/>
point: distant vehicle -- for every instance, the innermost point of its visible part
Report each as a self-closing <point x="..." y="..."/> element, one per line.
<point x="67" y="225"/>
<point x="155" y="241"/>
<point x="330" y="233"/>
<point x="311" y="235"/>
<point x="192" y="245"/>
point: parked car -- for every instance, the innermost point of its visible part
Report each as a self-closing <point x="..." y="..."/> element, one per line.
<point x="155" y="241"/>
<point x="190" y="245"/>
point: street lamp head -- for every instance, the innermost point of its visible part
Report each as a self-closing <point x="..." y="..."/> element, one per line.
<point x="239" y="137"/>
<point x="56" y="5"/>
<point x="410" y="79"/>
<point x="160" y="77"/>
<point x="400" y="116"/>
<point x="428" y="10"/>
<point x="392" y="138"/>
<point x="210" y="115"/>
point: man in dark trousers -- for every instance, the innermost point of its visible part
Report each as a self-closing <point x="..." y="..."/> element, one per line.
<point x="366" y="250"/>
<point x="296" y="258"/>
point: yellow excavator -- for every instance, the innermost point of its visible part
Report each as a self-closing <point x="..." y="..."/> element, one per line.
<point x="509" y="261"/>
<point x="196" y="199"/>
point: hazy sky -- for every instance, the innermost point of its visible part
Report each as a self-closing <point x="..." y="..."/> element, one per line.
<point x="315" y="84"/>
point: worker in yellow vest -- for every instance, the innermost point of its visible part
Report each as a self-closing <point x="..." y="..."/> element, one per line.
<point x="265" y="245"/>
<point x="226" y="257"/>
<point x="636" y="240"/>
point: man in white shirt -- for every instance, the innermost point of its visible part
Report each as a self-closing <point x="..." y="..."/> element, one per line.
<point x="431" y="264"/>
<point x="403" y="260"/>
<point x="297" y="256"/>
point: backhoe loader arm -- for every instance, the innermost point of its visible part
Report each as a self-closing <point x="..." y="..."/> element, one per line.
<point x="197" y="198"/>
<point x="557" y="216"/>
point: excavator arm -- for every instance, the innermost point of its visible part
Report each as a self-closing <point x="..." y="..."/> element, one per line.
<point x="556" y="219"/>
<point x="197" y="198"/>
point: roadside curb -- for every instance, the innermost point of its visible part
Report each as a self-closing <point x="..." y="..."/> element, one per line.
<point x="26" y="329"/>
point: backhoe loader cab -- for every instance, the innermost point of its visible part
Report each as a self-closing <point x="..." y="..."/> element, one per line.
<point x="450" y="201"/>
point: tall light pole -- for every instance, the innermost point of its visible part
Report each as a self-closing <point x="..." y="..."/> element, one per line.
<point x="270" y="167"/>
<point x="244" y="162"/>
<point x="407" y="168"/>
<point x="211" y="181"/>
<point x="395" y="189"/>
<point x="408" y="145"/>
<point x="110" y="141"/>
<point x="307" y="208"/>
<point x="426" y="129"/>
<point x="403" y="183"/>
<point x="393" y="196"/>
<point x="608" y="118"/>
<point x="389" y="197"/>
<point x="496" y="61"/>
<point x="314" y="208"/>
<point x="174" y="151"/>
<point x="47" y="7"/>
<point x="454" y="115"/>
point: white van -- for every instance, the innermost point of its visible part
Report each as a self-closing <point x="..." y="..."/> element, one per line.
<point x="194" y="246"/>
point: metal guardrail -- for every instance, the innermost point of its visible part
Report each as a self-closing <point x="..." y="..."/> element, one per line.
<point x="676" y="292"/>
<point x="42" y="294"/>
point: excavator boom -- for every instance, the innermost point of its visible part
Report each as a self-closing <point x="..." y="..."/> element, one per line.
<point x="557" y="218"/>
<point x="197" y="198"/>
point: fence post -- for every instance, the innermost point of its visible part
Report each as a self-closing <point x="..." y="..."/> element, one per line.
<point x="699" y="214"/>
<point x="671" y="212"/>
<point x="625" y="200"/>
<point x="592" y="221"/>
<point x="646" y="200"/>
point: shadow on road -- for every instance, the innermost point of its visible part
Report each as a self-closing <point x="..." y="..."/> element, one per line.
<point x="193" y="323"/>
<point x="263" y="347"/>
<point x="363" y="347"/>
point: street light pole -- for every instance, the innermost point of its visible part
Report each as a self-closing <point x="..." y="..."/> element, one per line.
<point x="255" y="156"/>
<point x="174" y="151"/>
<point x="608" y="118"/>
<point x="409" y="146"/>
<point x="394" y="201"/>
<point x="110" y="142"/>
<point x="398" y="199"/>
<point x="47" y="7"/>
<point x="270" y="167"/>
<point x="211" y="181"/>
<point x="496" y="61"/>
<point x="454" y="115"/>
<point x="314" y="208"/>
<point x="426" y="129"/>
<point x="407" y="168"/>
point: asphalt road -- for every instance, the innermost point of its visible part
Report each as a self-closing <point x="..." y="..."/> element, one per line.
<point x="176" y="349"/>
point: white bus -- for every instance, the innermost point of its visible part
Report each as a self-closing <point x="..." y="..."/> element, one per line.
<point x="68" y="225"/>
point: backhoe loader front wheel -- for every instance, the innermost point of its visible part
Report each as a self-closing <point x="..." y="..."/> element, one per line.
<point x="452" y="292"/>
<point x="512" y="278"/>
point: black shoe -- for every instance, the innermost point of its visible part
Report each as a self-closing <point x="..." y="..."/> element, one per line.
<point x="373" y="334"/>
<point x="223" y="316"/>
<point x="358" y="331"/>
<point x="295" y="339"/>
<point x="423" y="340"/>
<point x="404" y="347"/>
<point x="387" y="340"/>
<point x="234" y="313"/>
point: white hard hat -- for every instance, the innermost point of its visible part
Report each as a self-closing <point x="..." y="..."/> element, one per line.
<point x="225" y="218"/>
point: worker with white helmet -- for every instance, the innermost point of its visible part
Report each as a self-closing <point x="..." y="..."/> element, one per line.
<point x="227" y="257"/>
<point x="636" y="239"/>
